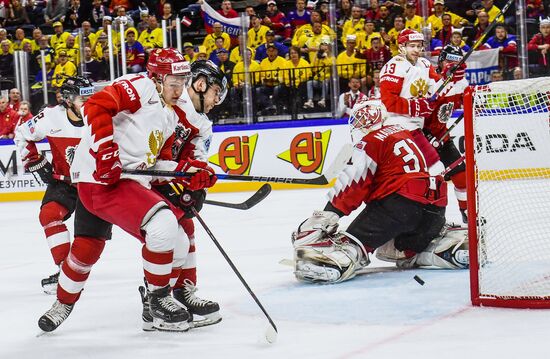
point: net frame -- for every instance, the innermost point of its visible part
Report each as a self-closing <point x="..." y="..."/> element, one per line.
<point x="510" y="91"/>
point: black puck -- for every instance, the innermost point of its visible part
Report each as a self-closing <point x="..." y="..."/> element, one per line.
<point x="419" y="280"/>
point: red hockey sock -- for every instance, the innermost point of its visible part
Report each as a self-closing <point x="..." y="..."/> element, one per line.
<point x="51" y="218"/>
<point x="157" y="267"/>
<point x="84" y="253"/>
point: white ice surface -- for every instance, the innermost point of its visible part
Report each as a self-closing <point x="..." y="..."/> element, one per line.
<point x="385" y="315"/>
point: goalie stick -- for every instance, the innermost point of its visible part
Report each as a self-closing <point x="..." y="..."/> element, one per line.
<point x="256" y="198"/>
<point x="339" y="162"/>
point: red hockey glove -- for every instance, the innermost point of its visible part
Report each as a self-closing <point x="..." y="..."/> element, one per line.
<point x="108" y="167"/>
<point x="457" y="74"/>
<point x="203" y="177"/>
<point x="420" y="107"/>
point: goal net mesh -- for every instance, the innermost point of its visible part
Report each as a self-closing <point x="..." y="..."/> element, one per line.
<point x="512" y="174"/>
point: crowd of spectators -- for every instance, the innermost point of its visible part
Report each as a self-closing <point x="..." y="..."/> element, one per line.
<point x="290" y="44"/>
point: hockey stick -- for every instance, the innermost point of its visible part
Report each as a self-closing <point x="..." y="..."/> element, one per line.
<point x="473" y="48"/>
<point x="453" y="165"/>
<point x="448" y="132"/>
<point x="340" y="161"/>
<point x="256" y="198"/>
<point x="235" y="270"/>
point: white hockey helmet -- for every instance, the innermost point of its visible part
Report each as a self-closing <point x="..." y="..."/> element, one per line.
<point x="367" y="116"/>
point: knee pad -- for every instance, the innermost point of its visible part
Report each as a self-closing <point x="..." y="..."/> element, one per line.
<point x="181" y="248"/>
<point x="52" y="214"/>
<point x="161" y="231"/>
<point x="85" y="252"/>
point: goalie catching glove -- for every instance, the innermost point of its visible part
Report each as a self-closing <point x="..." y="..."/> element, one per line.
<point x="41" y="166"/>
<point x="182" y="198"/>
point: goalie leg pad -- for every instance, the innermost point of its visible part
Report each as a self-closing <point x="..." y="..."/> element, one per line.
<point x="332" y="261"/>
<point x="449" y="251"/>
<point x="317" y="227"/>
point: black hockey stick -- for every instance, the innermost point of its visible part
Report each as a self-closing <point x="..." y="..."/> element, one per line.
<point x="448" y="132"/>
<point x="235" y="270"/>
<point x="453" y="165"/>
<point x="321" y="180"/>
<point x="340" y="161"/>
<point x="256" y="198"/>
<point x="474" y="47"/>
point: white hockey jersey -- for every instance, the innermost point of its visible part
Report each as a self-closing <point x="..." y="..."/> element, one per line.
<point x="193" y="132"/>
<point x="63" y="136"/>
<point x="131" y="114"/>
<point x="400" y="81"/>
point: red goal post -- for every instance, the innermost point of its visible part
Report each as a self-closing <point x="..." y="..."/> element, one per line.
<point x="507" y="141"/>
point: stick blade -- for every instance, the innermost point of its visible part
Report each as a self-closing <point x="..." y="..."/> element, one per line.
<point x="259" y="196"/>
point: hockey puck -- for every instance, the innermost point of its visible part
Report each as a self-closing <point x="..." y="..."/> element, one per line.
<point x="418" y="280"/>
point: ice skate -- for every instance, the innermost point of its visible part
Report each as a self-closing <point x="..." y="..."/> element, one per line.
<point x="207" y="310"/>
<point x="49" y="285"/>
<point x="167" y="315"/>
<point x="55" y="316"/>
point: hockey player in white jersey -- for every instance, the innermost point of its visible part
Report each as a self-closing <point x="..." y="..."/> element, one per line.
<point x="407" y="83"/>
<point x="127" y="127"/>
<point x="62" y="125"/>
<point x="191" y="141"/>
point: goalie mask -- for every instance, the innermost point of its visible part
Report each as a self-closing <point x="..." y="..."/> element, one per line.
<point x="367" y="116"/>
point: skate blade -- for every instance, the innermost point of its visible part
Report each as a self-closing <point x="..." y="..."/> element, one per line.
<point x="50" y="289"/>
<point x="148" y="327"/>
<point x="161" y="325"/>
<point x="209" y="319"/>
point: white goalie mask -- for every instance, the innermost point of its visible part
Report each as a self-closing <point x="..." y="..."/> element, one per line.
<point x="367" y="116"/>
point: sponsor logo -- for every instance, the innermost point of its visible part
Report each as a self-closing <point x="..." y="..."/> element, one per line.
<point x="129" y="90"/>
<point x="307" y="151"/>
<point x="86" y="91"/>
<point x="235" y="154"/>
<point x="181" y="68"/>
<point x="152" y="102"/>
<point x="501" y="142"/>
<point x="390" y="79"/>
<point x="52" y="131"/>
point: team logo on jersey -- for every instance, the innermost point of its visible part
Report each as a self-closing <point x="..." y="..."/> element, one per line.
<point x="235" y="154"/>
<point x="307" y="151"/>
<point x="69" y="154"/>
<point x="445" y="112"/>
<point x="419" y="88"/>
<point x="156" y="139"/>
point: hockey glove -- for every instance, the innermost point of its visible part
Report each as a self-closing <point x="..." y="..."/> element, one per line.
<point x="41" y="166"/>
<point x="108" y="165"/>
<point x="203" y="176"/>
<point x="176" y="194"/>
<point x="421" y="107"/>
<point x="457" y="74"/>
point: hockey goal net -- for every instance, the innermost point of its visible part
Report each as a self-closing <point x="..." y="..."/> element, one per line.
<point x="507" y="135"/>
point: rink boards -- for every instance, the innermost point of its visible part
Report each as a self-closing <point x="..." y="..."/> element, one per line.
<point x="297" y="149"/>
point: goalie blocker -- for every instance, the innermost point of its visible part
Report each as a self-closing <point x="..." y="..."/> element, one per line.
<point x="405" y="211"/>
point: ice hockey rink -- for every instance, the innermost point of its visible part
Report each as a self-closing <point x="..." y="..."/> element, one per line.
<point x="382" y="315"/>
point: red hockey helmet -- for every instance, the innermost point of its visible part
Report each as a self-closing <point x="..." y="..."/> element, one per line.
<point x="367" y="116"/>
<point x="409" y="35"/>
<point x="168" y="61"/>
